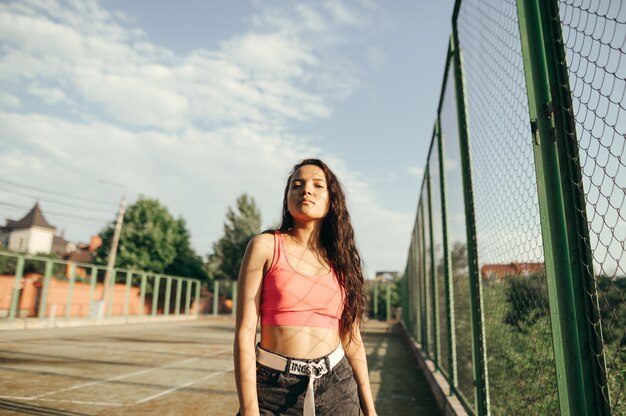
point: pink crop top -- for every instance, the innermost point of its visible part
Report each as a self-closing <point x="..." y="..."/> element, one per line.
<point x="291" y="298"/>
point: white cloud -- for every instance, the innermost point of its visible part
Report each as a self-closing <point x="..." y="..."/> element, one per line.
<point x="9" y="101"/>
<point x="193" y="130"/>
<point x="416" y="171"/>
<point x="269" y="77"/>
<point x="343" y="14"/>
<point x="48" y="95"/>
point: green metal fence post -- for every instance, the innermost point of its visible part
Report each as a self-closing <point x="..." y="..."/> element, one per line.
<point x="142" y="295"/>
<point x="216" y="295"/>
<point x="197" y="301"/>
<point x="563" y="217"/>
<point x="419" y="272"/>
<point x="388" y="296"/>
<point x="45" y="287"/>
<point x="407" y="307"/>
<point x="188" y="284"/>
<point x="423" y="279"/>
<point x="449" y="287"/>
<point x="155" y="295"/>
<point x="479" y="349"/>
<point x="17" y="288"/>
<point x="179" y="293"/>
<point x="433" y="281"/>
<point x="70" y="291"/>
<point x="93" y="275"/>
<point x="129" y="277"/>
<point x="417" y="281"/>
<point x="412" y="292"/>
<point x="404" y="291"/>
<point x="168" y="292"/>
<point x="234" y="291"/>
<point x="375" y="300"/>
<point x="111" y="294"/>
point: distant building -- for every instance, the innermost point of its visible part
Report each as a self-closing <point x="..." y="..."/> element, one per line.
<point x="386" y="276"/>
<point x="60" y="246"/>
<point x="83" y="253"/>
<point x="498" y="272"/>
<point x="32" y="234"/>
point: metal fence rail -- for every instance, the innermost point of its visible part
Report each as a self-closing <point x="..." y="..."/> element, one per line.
<point x="515" y="279"/>
<point x="44" y="288"/>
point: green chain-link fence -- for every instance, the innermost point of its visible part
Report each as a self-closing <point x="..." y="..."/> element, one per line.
<point x="514" y="285"/>
<point x="594" y="41"/>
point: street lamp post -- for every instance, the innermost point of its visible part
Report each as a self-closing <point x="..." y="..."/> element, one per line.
<point x="112" y="252"/>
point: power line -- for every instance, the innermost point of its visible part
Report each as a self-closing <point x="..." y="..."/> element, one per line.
<point x="58" y="194"/>
<point x="56" y="202"/>
<point x="57" y="214"/>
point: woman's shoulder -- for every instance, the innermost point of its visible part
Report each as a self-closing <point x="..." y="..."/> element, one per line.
<point x="260" y="250"/>
<point x="264" y="237"/>
<point x="262" y="243"/>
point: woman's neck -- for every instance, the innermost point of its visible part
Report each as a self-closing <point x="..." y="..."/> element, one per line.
<point x="307" y="234"/>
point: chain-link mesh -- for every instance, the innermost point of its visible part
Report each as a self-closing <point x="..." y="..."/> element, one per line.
<point x="594" y="39"/>
<point x="457" y="240"/>
<point x="412" y="288"/>
<point x="423" y="317"/>
<point x="430" y="330"/>
<point x="437" y="226"/>
<point x="517" y="327"/>
<point x="415" y="283"/>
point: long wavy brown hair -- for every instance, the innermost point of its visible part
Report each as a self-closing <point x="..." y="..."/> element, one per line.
<point x="337" y="239"/>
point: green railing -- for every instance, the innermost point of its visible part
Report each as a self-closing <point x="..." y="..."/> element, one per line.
<point x="516" y="273"/>
<point x="383" y="300"/>
<point x="44" y="288"/>
<point x="227" y="290"/>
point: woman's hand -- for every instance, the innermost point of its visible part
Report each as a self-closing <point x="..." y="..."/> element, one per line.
<point x="355" y="352"/>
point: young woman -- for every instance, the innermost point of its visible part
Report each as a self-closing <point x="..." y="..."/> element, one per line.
<point x="305" y="281"/>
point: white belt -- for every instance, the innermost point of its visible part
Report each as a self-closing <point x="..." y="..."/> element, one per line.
<point x="312" y="369"/>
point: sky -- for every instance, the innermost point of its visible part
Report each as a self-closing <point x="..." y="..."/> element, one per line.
<point x="196" y="102"/>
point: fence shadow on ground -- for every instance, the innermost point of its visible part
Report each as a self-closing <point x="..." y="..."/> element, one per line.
<point x="402" y="388"/>
<point x="31" y="409"/>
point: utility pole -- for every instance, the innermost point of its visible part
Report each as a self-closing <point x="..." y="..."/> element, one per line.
<point x="111" y="257"/>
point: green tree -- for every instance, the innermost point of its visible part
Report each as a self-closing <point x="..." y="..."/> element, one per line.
<point x="152" y="240"/>
<point x="186" y="262"/>
<point x="8" y="264"/>
<point x="240" y="226"/>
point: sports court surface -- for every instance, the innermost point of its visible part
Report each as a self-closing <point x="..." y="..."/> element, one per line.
<point x="174" y="368"/>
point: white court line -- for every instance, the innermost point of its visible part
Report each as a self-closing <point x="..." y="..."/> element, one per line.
<point x="120" y="377"/>
<point x="182" y="386"/>
<point x="84" y="346"/>
<point x="81" y="402"/>
<point x="141" y="401"/>
<point x="41" y="396"/>
<point x="123" y="376"/>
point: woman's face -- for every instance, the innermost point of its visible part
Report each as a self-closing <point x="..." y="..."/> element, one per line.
<point x="308" y="197"/>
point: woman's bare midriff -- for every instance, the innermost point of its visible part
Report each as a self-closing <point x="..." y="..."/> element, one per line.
<point x="299" y="341"/>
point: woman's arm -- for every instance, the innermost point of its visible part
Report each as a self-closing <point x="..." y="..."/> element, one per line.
<point x="258" y="254"/>
<point x="355" y="352"/>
